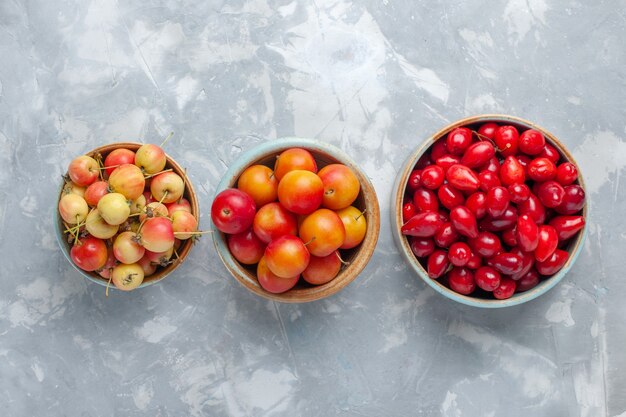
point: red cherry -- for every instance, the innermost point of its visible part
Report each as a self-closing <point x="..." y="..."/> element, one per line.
<point x="414" y="180"/>
<point x="421" y="246"/>
<point x="485" y="244"/>
<point x="438" y="150"/>
<point x="498" y="199"/>
<point x="519" y="193"/>
<point x="531" y="142"/>
<point x="487" y="278"/>
<point x="509" y="237"/>
<point x="541" y="169"/>
<point x="528" y="260"/>
<point x="533" y="207"/>
<point x="573" y="200"/>
<point x="505" y="290"/>
<point x="432" y="177"/>
<point x="512" y="172"/>
<point x="437" y="263"/>
<point x="493" y="165"/>
<point x="506" y="139"/>
<point x="488" y="180"/>
<point x="408" y="210"/>
<point x="477" y="204"/>
<point x="506" y="263"/>
<point x="450" y="197"/>
<point x="474" y="262"/>
<point x="550" y="152"/>
<point x="553" y="264"/>
<point x="458" y="140"/>
<point x="506" y="221"/>
<point x="550" y="193"/>
<point x="425" y="200"/>
<point x="566" y="173"/>
<point x="447" y="161"/>
<point x="548" y="241"/>
<point x="461" y="280"/>
<point x="444" y="216"/>
<point x="528" y="281"/>
<point x="567" y="226"/>
<point x="446" y="235"/>
<point x="459" y="254"/>
<point x="423" y="162"/>
<point x="488" y="130"/>
<point x="422" y="224"/>
<point x="523" y="160"/>
<point x="478" y="154"/>
<point x="462" y="178"/>
<point x="464" y="221"/>
<point x="527" y="233"/>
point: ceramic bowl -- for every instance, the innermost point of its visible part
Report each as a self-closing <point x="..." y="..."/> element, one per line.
<point x="357" y="257"/>
<point x="402" y="242"/>
<point x="161" y="272"/>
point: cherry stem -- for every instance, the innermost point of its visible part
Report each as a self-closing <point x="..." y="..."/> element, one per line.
<point x="140" y="226"/>
<point x="163" y="198"/>
<point x="359" y="216"/>
<point x="106" y="293"/>
<point x="198" y="232"/>
<point x="312" y="239"/>
<point x="77" y="225"/>
<point x="167" y="138"/>
<point x="341" y="260"/>
<point x="111" y="166"/>
<point x="157" y="173"/>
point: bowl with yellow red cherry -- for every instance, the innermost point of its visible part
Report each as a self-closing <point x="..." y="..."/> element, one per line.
<point x="127" y="215"/>
<point x="295" y="220"/>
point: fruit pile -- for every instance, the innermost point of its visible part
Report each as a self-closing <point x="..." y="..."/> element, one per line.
<point x="291" y="221"/>
<point x="491" y="211"/>
<point x="125" y="215"/>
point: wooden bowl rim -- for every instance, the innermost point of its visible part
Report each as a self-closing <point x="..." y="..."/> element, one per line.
<point x="186" y="245"/>
<point x="365" y="249"/>
<point x="402" y="242"/>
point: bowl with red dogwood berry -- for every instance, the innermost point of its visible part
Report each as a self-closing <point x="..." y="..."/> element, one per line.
<point x="127" y="215"/>
<point x="295" y="220"/>
<point x="490" y="211"/>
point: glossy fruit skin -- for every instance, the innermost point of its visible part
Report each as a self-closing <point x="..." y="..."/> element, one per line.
<point x="355" y="225"/>
<point x="425" y="200"/>
<point x="408" y="211"/>
<point x="423" y="224"/>
<point x="512" y="172"/>
<point x="567" y="226"/>
<point x="432" y="177"/>
<point x="184" y="224"/>
<point x="505" y="290"/>
<point x="458" y="140"/>
<point x="127" y="277"/>
<point x="459" y="254"/>
<point x="118" y="157"/>
<point x="506" y="221"/>
<point x="97" y="227"/>
<point x="322" y="269"/>
<point x="126" y="249"/>
<point x="486" y="244"/>
<point x="461" y="280"/>
<point x="550" y="152"/>
<point x="509" y="237"/>
<point x="157" y="234"/>
<point x="154" y="209"/>
<point x="527" y="233"/>
<point x="167" y="187"/>
<point x="233" y="211"/>
<point x="552" y="264"/>
<point x="341" y="186"/>
<point x="450" y="197"/>
<point x="114" y="208"/>
<point x="462" y="178"/>
<point x="498" y="199"/>
<point x="95" y="191"/>
<point x="127" y="180"/>
<point x="464" y="221"/>
<point x="273" y="221"/>
<point x="566" y="173"/>
<point x="246" y="247"/>
<point x="531" y="142"/>
<point x="506" y="139"/>
<point x="478" y="154"/>
<point x="519" y="193"/>
<point x="533" y="208"/>
<point x="148" y="267"/>
<point x="323" y="231"/>
<point x="550" y="194"/>
<point x="487" y="278"/>
<point x="182" y="204"/>
<point x="541" y="169"/>
<point x="493" y="165"/>
<point x="83" y="170"/>
<point x="446" y="235"/>
<point x="260" y="183"/>
<point x="528" y="261"/>
<point x="294" y="159"/>
<point x="301" y="192"/>
<point x="271" y="282"/>
<point x="477" y="204"/>
<point x="414" y="180"/>
<point x="506" y="263"/>
<point x="73" y="208"/>
<point x="447" y="161"/>
<point x="528" y="281"/>
<point x="439" y="149"/>
<point x="287" y="256"/>
<point x="89" y="254"/>
<point x="421" y="246"/>
<point x="488" y="180"/>
<point x="474" y="262"/>
<point x="437" y="263"/>
<point x="150" y="158"/>
<point x="488" y="130"/>
<point x="547" y="244"/>
<point x="573" y="200"/>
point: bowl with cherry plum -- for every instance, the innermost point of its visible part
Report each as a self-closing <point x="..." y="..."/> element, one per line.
<point x="295" y="220"/>
<point x="127" y="215"/>
<point x="490" y="211"/>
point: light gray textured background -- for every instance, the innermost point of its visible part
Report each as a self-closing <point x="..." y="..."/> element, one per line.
<point x="373" y="77"/>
